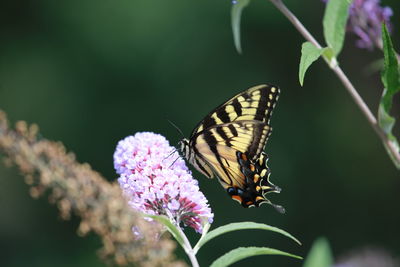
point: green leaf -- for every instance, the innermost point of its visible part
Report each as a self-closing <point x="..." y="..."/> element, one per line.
<point x="246" y="252"/>
<point x="172" y="228"/>
<point x="236" y="13"/>
<point x="309" y="54"/>
<point x="391" y="81"/>
<point x="328" y="54"/>
<point x="240" y="226"/>
<point x="320" y="254"/>
<point x="386" y="122"/>
<point x="335" y="19"/>
<point x="390" y="74"/>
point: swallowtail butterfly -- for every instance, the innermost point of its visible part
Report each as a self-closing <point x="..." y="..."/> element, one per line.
<point x="229" y="143"/>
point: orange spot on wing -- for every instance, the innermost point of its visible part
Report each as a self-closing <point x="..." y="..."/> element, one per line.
<point x="237" y="198"/>
<point x="256" y="178"/>
<point x="252" y="168"/>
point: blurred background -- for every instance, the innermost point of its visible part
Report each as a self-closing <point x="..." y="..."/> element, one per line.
<point x="91" y="72"/>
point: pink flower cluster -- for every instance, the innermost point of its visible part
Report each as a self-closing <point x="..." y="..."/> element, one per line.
<point x="156" y="180"/>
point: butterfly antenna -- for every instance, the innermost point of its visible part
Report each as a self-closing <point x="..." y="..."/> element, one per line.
<point x="174" y="162"/>
<point x="170" y="154"/>
<point x="177" y="128"/>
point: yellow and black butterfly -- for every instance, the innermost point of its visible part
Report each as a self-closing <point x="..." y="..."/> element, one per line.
<point x="229" y="143"/>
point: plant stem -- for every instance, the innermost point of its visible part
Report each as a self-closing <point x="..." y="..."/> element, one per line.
<point x="203" y="235"/>
<point x="343" y="78"/>
<point x="188" y="249"/>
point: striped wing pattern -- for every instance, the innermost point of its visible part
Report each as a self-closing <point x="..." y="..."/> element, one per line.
<point x="254" y="104"/>
<point x="218" y="146"/>
<point x="229" y="140"/>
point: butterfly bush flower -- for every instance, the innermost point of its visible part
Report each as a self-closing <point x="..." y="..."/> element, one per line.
<point x="157" y="182"/>
<point x="365" y="21"/>
<point x="368" y="257"/>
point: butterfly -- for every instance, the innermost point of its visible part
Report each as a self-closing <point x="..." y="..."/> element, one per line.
<point x="229" y="143"/>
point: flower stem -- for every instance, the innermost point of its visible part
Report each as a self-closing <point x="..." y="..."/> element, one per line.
<point x="203" y="235"/>
<point x="344" y="79"/>
<point x="188" y="249"/>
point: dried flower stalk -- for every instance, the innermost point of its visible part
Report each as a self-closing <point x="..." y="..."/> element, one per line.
<point x="76" y="188"/>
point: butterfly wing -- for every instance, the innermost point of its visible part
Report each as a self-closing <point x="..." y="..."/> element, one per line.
<point x="254" y="104"/>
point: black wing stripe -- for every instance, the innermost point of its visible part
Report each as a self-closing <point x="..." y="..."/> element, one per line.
<point x="257" y="135"/>
<point x="237" y="106"/>
<point x="208" y="122"/>
<point x="223" y="115"/>
<point x="201" y="167"/>
<point x="233" y="130"/>
<point x="210" y="139"/>
<point x="223" y="135"/>
<point x="197" y="154"/>
<point x="262" y="105"/>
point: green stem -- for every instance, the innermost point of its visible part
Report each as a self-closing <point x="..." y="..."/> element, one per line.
<point x="343" y="78"/>
<point x="203" y="235"/>
<point x="188" y="249"/>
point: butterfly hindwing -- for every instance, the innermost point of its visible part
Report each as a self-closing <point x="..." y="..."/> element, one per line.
<point x="257" y="184"/>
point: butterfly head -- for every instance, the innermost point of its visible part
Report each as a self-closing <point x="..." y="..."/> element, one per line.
<point x="184" y="147"/>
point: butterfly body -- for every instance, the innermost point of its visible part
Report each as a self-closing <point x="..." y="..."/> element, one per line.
<point x="229" y="143"/>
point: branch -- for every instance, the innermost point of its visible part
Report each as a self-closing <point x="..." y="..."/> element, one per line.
<point x="343" y="78"/>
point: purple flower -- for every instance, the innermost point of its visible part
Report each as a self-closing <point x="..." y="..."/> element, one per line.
<point x="156" y="180"/>
<point x="368" y="257"/>
<point x="365" y="21"/>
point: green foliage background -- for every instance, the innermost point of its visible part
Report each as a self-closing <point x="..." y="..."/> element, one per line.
<point x="92" y="72"/>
